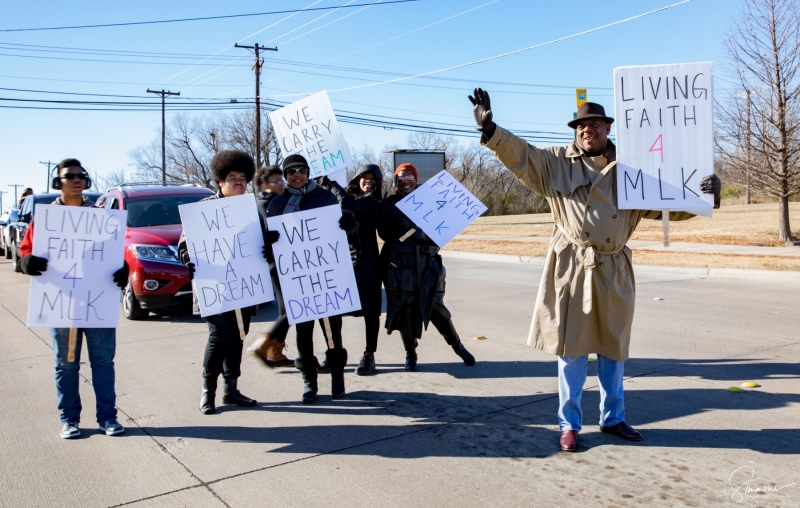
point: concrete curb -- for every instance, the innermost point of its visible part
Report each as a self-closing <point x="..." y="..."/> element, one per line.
<point x="701" y="273"/>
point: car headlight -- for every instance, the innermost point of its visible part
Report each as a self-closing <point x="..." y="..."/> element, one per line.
<point x="163" y="253"/>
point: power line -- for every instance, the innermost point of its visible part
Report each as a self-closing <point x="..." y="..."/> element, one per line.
<point x="482" y="60"/>
<point x="205" y="18"/>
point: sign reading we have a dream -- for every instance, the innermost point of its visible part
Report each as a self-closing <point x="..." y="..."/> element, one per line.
<point x="225" y="242"/>
<point x="83" y="247"/>
<point x="314" y="265"/>
<point x="665" y="136"/>
<point x="442" y="207"/>
<point x="309" y="127"/>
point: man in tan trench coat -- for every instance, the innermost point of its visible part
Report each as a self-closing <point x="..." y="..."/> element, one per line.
<point x="586" y="295"/>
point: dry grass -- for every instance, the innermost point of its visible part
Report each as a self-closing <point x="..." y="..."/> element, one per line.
<point x="731" y="225"/>
<point x="641" y="257"/>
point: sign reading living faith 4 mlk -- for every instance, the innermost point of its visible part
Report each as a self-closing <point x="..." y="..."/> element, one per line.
<point x="314" y="265"/>
<point x="309" y="127"/>
<point x="83" y="247"/>
<point x="442" y="207"/>
<point x="224" y="239"/>
<point x="665" y="135"/>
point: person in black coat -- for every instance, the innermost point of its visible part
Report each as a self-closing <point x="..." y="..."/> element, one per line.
<point x="269" y="346"/>
<point x="414" y="276"/>
<point x="304" y="194"/>
<point x="363" y="197"/>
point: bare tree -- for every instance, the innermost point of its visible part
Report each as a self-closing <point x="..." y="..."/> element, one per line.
<point x="758" y="136"/>
<point x="103" y="182"/>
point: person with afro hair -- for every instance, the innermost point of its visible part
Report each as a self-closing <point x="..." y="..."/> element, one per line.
<point x="232" y="170"/>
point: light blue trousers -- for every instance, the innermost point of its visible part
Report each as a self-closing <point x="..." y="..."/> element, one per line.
<point x="571" y="378"/>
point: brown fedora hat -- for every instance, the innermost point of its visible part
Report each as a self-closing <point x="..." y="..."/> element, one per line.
<point x="590" y="110"/>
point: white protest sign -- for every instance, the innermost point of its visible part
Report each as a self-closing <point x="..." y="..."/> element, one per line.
<point x="225" y="240"/>
<point x="442" y="207"/>
<point x="314" y="266"/>
<point x="309" y="127"/>
<point x="83" y="247"/>
<point x="665" y="136"/>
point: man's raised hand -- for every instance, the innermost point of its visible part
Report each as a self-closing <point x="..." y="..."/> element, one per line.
<point x="482" y="109"/>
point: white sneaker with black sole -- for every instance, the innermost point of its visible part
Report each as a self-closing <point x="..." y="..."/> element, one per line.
<point x="70" y="430"/>
<point x="112" y="428"/>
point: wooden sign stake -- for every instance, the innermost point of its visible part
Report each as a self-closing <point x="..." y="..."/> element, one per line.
<point x="72" y="344"/>
<point x="326" y="323"/>
<point x="239" y="322"/>
<point x="665" y="225"/>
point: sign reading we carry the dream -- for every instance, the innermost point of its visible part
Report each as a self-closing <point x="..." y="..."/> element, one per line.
<point x="442" y="207"/>
<point x="225" y="242"/>
<point x="314" y="264"/>
<point x="309" y="127"/>
<point x="83" y="247"/>
<point x="664" y="118"/>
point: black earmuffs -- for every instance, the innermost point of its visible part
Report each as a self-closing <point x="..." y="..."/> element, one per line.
<point x="56" y="182"/>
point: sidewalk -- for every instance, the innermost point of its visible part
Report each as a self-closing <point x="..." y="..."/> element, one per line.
<point x="699" y="248"/>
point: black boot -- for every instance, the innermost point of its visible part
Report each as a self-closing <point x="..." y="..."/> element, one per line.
<point x="337" y="359"/>
<point x="324" y="367"/>
<point x="209" y="394"/>
<point x="308" y="367"/>
<point x="448" y="331"/>
<point x="411" y="354"/>
<point x="366" y="365"/>
<point x="232" y="395"/>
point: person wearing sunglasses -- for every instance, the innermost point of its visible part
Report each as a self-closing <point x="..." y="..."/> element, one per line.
<point x="231" y="170"/>
<point x="587" y="292"/>
<point x="300" y="195"/>
<point x="269" y="346"/>
<point x="414" y="276"/>
<point x="72" y="179"/>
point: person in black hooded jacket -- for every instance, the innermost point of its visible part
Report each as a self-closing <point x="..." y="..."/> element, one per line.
<point x="414" y="276"/>
<point x="363" y="197"/>
<point x="304" y="194"/>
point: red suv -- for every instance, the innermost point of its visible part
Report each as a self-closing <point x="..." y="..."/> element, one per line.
<point x="158" y="281"/>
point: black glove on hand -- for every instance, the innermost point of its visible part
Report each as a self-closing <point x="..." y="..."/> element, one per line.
<point x="324" y="181"/>
<point x="190" y="268"/>
<point x="348" y="221"/>
<point x="32" y="265"/>
<point x="121" y="276"/>
<point x="272" y="237"/>
<point x="712" y="185"/>
<point x="482" y="109"/>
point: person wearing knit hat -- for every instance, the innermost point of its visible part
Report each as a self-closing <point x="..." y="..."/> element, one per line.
<point x="414" y="276"/>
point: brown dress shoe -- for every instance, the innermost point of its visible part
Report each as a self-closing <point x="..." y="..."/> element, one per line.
<point x="624" y="431"/>
<point x="270" y="351"/>
<point x="569" y="440"/>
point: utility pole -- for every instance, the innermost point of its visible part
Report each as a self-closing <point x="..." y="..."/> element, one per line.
<point x="15" y="185"/>
<point x="749" y="160"/>
<point x="48" y="173"/>
<point x="257" y="69"/>
<point x="163" y="94"/>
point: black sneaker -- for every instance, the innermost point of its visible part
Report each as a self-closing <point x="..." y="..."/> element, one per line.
<point x="324" y="368"/>
<point x="366" y="365"/>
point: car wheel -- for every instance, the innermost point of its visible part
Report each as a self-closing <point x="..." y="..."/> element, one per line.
<point x="8" y="251"/>
<point x="15" y="258"/>
<point x="130" y="305"/>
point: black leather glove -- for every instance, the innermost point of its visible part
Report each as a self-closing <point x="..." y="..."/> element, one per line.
<point x="272" y="237"/>
<point x="712" y="185"/>
<point x="32" y="265"/>
<point x="348" y="221"/>
<point x="324" y="181"/>
<point x="482" y="109"/>
<point x="121" y="276"/>
<point x="190" y="269"/>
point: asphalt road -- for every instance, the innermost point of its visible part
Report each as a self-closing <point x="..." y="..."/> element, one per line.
<point x="447" y="435"/>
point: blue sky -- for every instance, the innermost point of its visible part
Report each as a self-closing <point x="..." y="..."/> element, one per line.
<point x="477" y="29"/>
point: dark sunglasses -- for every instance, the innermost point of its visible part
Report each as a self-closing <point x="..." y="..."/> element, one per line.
<point x="73" y="176"/>
<point x="295" y="170"/>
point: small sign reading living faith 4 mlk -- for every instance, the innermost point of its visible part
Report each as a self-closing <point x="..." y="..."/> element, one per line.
<point x="442" y="207"/>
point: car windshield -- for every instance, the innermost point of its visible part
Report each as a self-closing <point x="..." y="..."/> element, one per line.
<point x="157" y="210"/>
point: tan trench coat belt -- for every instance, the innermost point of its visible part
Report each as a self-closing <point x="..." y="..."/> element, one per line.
<point x="589" y="264"/>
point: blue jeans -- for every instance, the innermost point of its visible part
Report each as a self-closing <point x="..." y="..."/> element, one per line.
<point x="571" y="378"/>
<point x="102" y="344"/>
